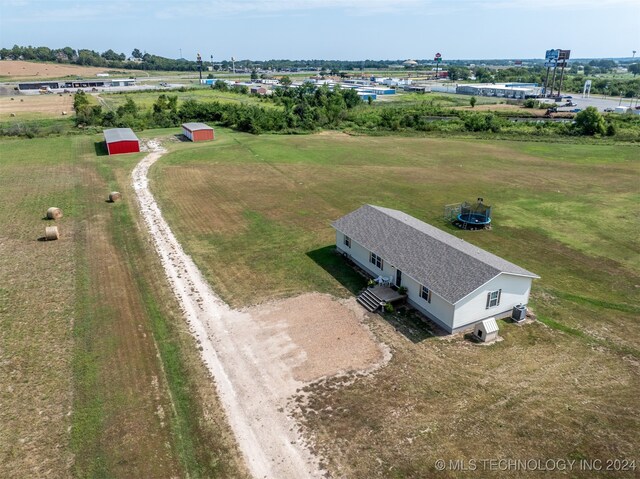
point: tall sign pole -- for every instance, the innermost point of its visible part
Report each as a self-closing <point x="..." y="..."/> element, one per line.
<point x="563" y="56"/>
<point x="199" y="62"/>
<point x="437" y="59"/>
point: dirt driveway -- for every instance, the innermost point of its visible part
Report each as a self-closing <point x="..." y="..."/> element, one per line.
<point x="260" y="357"/>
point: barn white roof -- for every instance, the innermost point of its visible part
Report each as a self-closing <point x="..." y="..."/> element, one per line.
<point x="196" y="126"/>
<point x="119" y="134"/>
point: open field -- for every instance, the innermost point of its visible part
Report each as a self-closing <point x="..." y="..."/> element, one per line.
<point x="254" y="212"/>
<point x="147" y="99"/>
<point x="14" y="70"/>
<point x="98" y="374"/>
<point x="30" y="107"/>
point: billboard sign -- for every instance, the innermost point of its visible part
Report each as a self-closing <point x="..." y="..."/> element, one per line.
<point x="552" y="55"/>
<point x="563" y="54"/>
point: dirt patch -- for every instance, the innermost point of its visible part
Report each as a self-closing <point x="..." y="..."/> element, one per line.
<point x="34" y="71"/>
<point x="36" y="105"/>
<point x="327" y="336"/>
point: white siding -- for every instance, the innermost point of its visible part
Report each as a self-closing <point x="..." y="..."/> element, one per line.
<point x="187" y="133"/>
<point x="462" y="315"/>
<point x="438" y="310"/>
<point x="360" y="255"/>
<point x="473" y="308"/>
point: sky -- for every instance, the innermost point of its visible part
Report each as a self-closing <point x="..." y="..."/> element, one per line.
<point x="328" y="29"/>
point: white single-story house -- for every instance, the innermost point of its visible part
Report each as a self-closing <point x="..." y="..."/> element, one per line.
<point x="452" y="282"/>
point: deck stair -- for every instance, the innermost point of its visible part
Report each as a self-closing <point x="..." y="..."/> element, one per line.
<point x="369" y="300"/>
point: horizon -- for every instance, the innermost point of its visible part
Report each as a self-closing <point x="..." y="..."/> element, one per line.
<point x="262" y="30"/>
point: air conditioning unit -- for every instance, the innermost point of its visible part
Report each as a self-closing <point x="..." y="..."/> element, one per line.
<point x="519" y="313"/>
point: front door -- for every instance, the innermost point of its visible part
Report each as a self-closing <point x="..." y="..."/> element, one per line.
<point x="398" y="278"/>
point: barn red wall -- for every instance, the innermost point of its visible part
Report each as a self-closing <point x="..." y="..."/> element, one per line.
<point x="202" y="135"/>
<point x="123" y="147"/>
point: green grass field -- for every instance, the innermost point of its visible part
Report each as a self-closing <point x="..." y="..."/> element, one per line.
<point x="146" y="99"/>
<point x="98" y="374"/>
<point x="255" y="213"/>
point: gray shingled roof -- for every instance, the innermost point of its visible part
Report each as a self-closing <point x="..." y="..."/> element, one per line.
<point x="449" y="266"/>
<point x="196" y="126"/>
<point x="119" y="134"/>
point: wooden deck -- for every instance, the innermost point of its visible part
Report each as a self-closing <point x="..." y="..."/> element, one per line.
<point x="374" y="298"/>
<point x="386" y="294"/>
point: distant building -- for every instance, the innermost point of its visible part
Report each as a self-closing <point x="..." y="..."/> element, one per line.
<point x="123" y="82"/>
<point x="503" y="90"/>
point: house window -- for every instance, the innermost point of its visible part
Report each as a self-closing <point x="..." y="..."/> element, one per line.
<point x="425" y="293"/>
<point x="347" y="241"/>
<point x="376" y="260"/>
<point x="493" y="298"/>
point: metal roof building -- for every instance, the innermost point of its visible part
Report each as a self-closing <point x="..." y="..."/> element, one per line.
<point x="197" y="131"/>
<point x="121" y="140"/>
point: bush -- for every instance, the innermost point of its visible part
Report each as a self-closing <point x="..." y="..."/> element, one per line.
<point x="590" y="122"/>
<point x="388" y="308"/>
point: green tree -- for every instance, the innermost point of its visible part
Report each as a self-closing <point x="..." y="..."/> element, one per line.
<point x="472" y="101"/>
<point x="136" y="53"/>
<point x="634" y="68"/>
<point x="286" y="81"/>
<point x="220" y="85"/>
<point x="590" y="122"/>
<point x="254" y="75"/>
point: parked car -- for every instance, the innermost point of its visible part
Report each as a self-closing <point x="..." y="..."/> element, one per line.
<point x="608" y="110"/>
<point x="575" y="110"/>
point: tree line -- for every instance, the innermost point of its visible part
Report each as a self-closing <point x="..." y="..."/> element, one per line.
<point x="308" y="109"/>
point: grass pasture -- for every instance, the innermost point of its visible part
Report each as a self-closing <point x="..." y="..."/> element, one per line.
<point x="145" y="100"/>
<point x="33" y="107"/>
<point x="98" y="375"/>
<point x="255" y="213"/>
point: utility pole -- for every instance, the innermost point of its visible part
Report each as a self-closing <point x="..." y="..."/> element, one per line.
<point x="181" y="53"/>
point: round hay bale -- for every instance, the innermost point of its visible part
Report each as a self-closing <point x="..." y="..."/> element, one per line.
<point x="51" y="233"/>
<point x="54" y="213"/>
<point x="114" y="196"/>
<point x="64" y="113"/>
<point x="12" y="114"/>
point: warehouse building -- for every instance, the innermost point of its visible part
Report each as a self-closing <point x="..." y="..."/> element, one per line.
<point x="502" y="90"/>
<point x="121" y="140"/>
<point x="197" y="131"/>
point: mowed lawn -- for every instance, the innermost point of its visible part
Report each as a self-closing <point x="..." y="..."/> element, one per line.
<point x="255" y="213"/>
<point x="98" y="375"/>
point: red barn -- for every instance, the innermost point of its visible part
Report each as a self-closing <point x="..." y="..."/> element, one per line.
<point x="197" y="131"/>
<point x="121" y="140"/>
